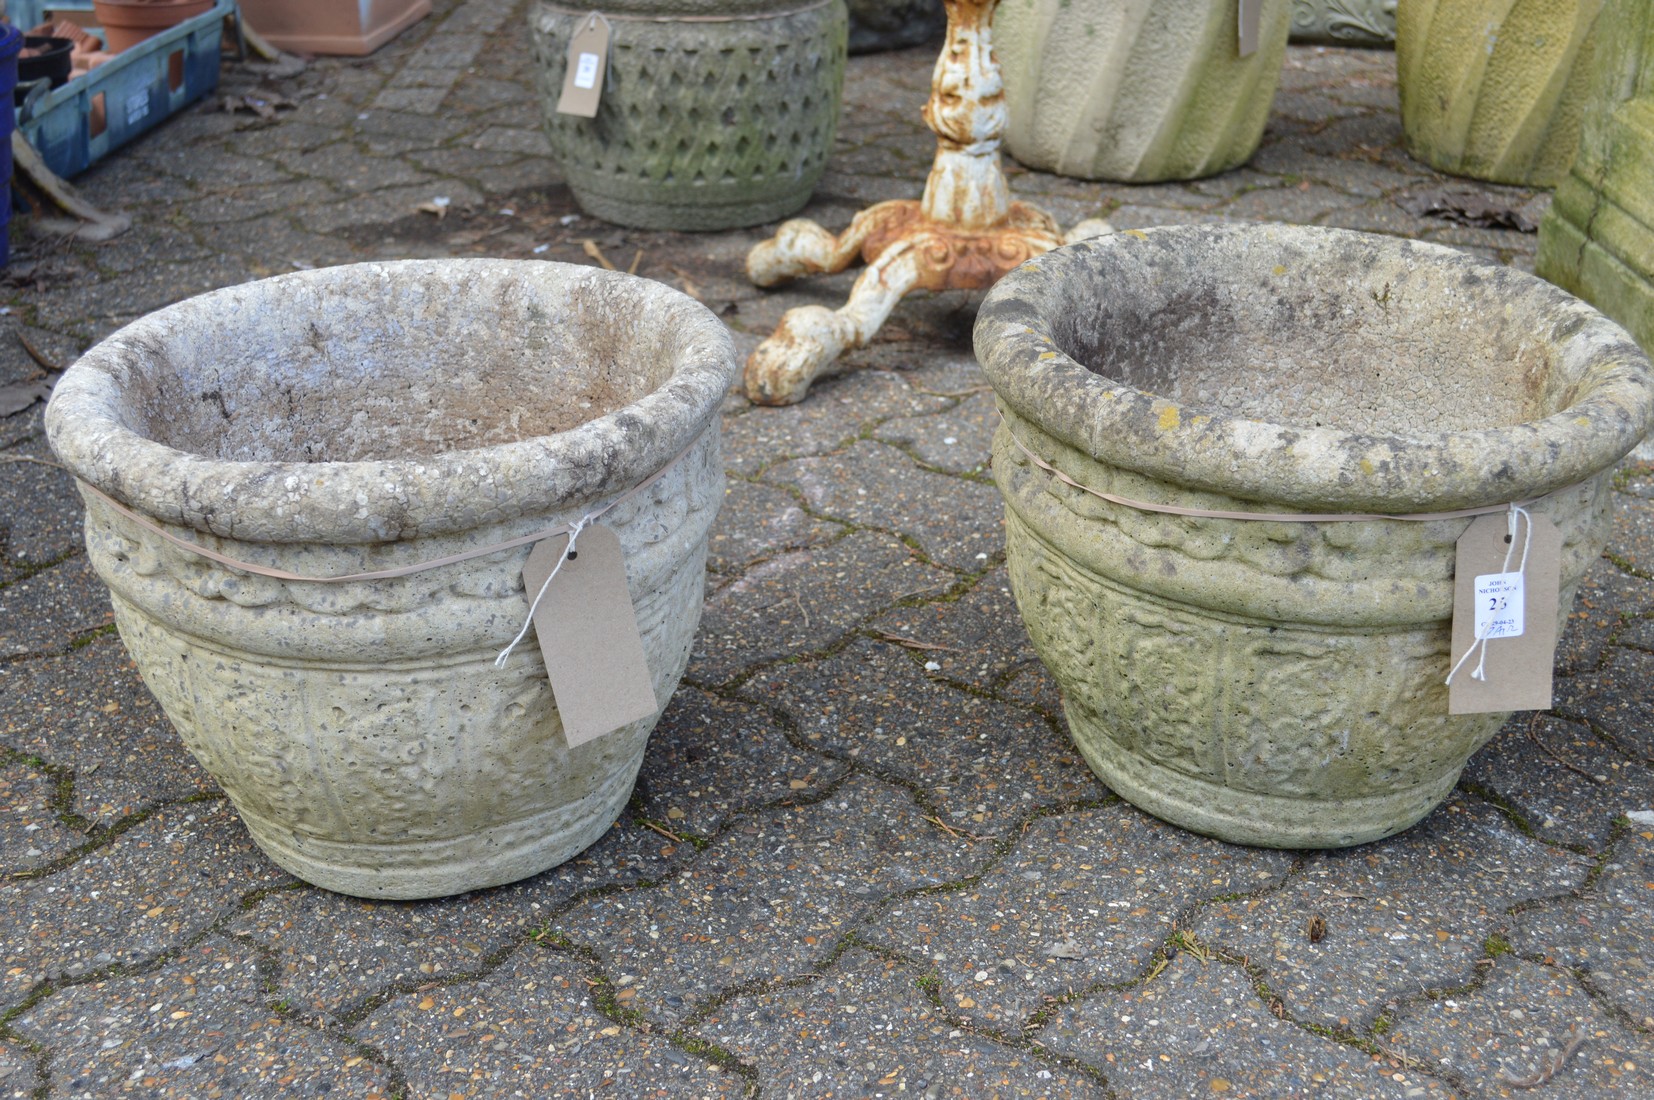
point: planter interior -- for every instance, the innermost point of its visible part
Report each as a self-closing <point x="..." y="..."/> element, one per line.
<point x="368" y="417"/>
<point x="1281" y="683"/>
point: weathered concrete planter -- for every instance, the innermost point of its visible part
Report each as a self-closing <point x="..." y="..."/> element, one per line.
<point x="1280" y="683"/>
<point x="1494" y="90"/>
<point x="715" y="114"/>
<point x="1135" y="90"/>
<point x="1345" y="22"/>
<point x="1597" y="239"/>
<point x="362" y="418"/>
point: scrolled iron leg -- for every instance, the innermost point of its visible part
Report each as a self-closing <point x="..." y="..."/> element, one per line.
<point x="801" y="247"/>
<point x="807" y="343"/>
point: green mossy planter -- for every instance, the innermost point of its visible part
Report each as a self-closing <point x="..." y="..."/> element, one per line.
<point x="1597" y="240"/>
<point x="1493" y="89"/>
<point x="716" y="114"/>
<point x="1135" y="90"/>
<point x="1267" y="682"/>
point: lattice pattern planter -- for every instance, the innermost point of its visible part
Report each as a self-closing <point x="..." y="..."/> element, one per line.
<point x="715" y="114"/>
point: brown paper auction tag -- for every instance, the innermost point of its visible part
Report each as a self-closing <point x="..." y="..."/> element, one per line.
<point x="588" y="58"/>
<point x="588" y="635"/>
<point x="1251" y="21"/>
<point x="1515" y="611"/>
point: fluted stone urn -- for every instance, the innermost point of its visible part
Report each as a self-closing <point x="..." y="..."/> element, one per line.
<point x="1494" y="90"/>
<point x="1597" y="239"/>
<point x="1266" y="681"/>
<point x="1136" y="90"/>
<point x="360" y="419"/>
<point x="715" y="114"/>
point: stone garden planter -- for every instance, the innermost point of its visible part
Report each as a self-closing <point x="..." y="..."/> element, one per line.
<point x="1597" y="239"/>
<point x="1345" y="22"/>
<point x="360" y="418"/>
<point x="1280" y="683"/>
<point x="1135" y="90"/>
<point x="715" y="114"/>
<point x="1494" y="90"/>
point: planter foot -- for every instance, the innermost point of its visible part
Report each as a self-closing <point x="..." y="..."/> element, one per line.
<point x="1259" y="820"/>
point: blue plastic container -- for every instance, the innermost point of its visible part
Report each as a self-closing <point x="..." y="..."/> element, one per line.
<point x="11" y="42"/>
<point x="127" y="96"/>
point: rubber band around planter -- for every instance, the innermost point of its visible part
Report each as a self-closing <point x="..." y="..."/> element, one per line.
<point x="754" y="18"/>
<point x="1259" y="517"/>
<point x="385" y="574"/>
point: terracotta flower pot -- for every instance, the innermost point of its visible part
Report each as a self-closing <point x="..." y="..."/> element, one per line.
<point x="344" y="27"/>
<point x="126" y="23"/>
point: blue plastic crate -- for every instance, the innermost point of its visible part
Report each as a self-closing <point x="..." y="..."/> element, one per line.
<point x="130" y="95"/>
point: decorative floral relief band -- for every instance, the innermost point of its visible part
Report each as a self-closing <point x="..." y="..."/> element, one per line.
<point x="1265" y="517"/>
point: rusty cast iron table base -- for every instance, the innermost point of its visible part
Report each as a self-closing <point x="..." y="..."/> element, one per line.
<point x="962" y="235"/>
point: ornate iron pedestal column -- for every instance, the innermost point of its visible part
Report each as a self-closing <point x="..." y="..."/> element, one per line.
<point x="962" y="235"/>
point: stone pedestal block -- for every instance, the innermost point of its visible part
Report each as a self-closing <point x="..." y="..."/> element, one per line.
<point x="1597" y="240"/>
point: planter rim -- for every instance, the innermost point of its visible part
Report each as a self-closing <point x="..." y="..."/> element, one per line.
<point x="1316" y="469"/>
<point x="89" y="427"/>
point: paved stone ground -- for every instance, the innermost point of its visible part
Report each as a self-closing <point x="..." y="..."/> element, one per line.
<point x="855" y="865"/>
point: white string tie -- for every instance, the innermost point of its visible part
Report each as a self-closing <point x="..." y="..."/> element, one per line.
<point x="568" y="552"/>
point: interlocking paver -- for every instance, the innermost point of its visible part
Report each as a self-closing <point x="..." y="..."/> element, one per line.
<point x="984" y="762"/>
<point x="1566" y="781"/>
<point x="1412" y="914"/>
<point x="1198" y="1028"/>
<point x="977" y="640"/>
<point x="828" y="803"/>
<point x="532" y="1028"/>
<point x="48" y="609"/>
<point x="201" y="1025"/>
<point x="771" y="899"/>
<point x="31" y="833"/>
<point x="805" y="600"/>
<point x="330" y="954"/>
<point x="954" y="521"/>
<point x="1083" y="898"/>
<point x="711" y="758"/>
<point x="760" y="521"/>
<point x="89" y="713"/>
<point x="150" y="890"/>
<point x="1573" y="933"/>
<point x="869" y="1029"/>
<point x="1506" y="1038"/>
